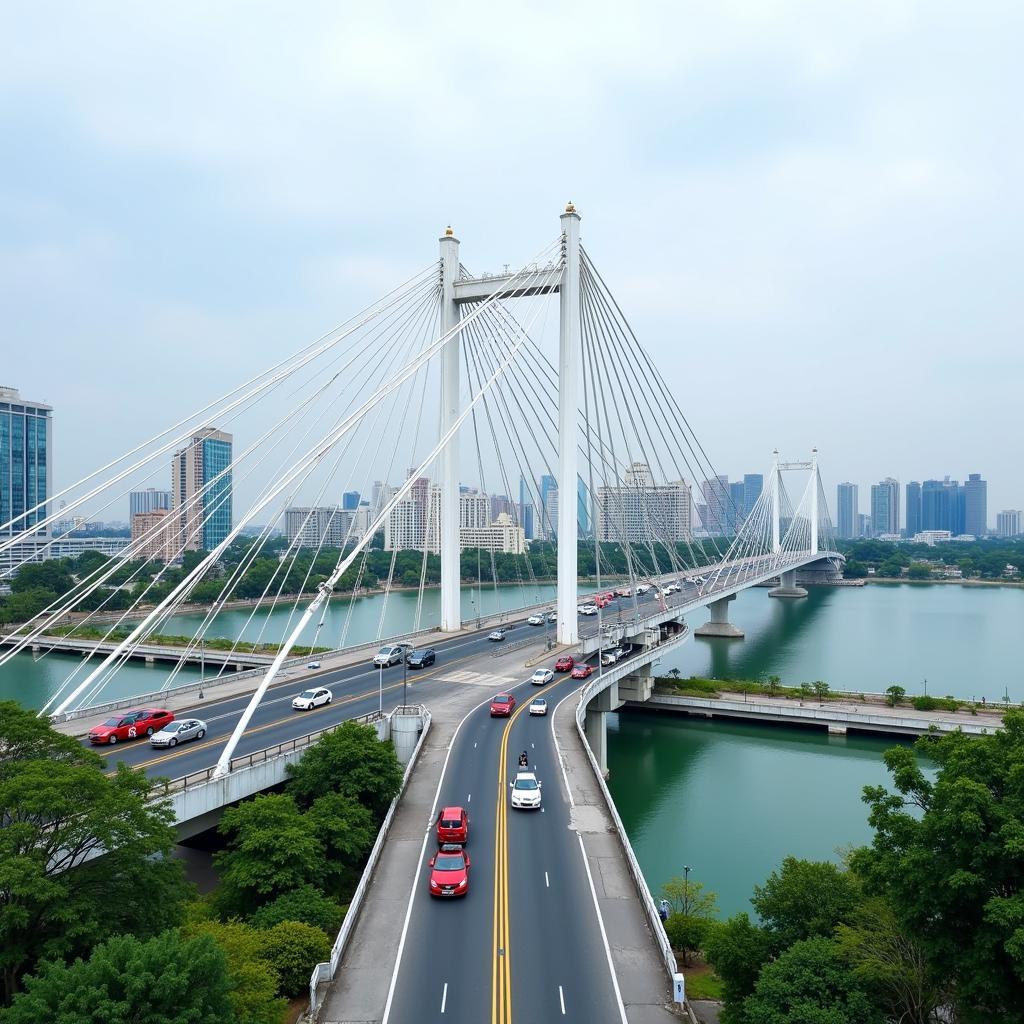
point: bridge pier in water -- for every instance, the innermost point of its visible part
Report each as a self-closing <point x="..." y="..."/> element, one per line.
<point x="719" y="624"/>
<point x="787" y="586"/>
<point x="596" y="724"/>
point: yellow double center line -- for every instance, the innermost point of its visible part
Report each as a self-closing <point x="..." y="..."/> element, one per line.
<point x="501" y="970"/>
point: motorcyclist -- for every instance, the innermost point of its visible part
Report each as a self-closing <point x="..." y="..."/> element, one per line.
<point x="524" y="761"/>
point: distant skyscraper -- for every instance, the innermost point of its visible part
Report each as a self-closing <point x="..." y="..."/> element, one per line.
<point x="753" y="484"/>
<point x="942" y="506"/>
<point x="1009" y="523"/>
<point x="885" y="507"/>
<point x="863" y="525"/>
<point x="201" y="490"/>
<point x="582" y="508"/>
<point x="547" y="524"/>
<point x="975" y="492"/>
<point x="643" y="511"/>
<point x="149" y="500"/>
<point x="846" y="510"/>
<point x="350" y="500"/>
<point x="737" y="509"/>
<point x="716" y="497"/>
<point x="26" y="432"/>
<point x="913" y="509"/>
<point x="525" y="509"/>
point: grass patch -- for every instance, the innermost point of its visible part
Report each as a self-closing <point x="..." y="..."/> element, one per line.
<point x="703" y="983"/>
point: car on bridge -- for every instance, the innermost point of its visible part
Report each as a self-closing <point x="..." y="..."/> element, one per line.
<point x="565" y="663"/>
<point x="587" y="609"/>
<point x="497" y="635"/>
<point x="181" y="731"/>
<point x="525" y="791"/>
<point x="538" y="706"/>
<point x="643" y="588"/>
<point x="421" y="658"/>
<point x="130" y="725"/>
<point x="552" y="616"/>
<point x="673" y="588"/>
<point x="309" y="699"/>
<point x="391" y="654"/>
<point x="542" y="676"/>
<point x="452" y="826"/>
<point x="502" y="705"/>
<point x="535" y="620"/>
<point x="582" y="670"/>
<point x="449" y="871"/>
<point x="609" y="657"/>
<point x="623" y="592"/>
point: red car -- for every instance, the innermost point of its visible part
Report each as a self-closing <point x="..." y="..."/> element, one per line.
<point x="582" y="670"/>
<point x="130" y="725"/>
<point x="502" y="705"/>
<point x="452" y="826"/>
<point x="449" y="871"/>
<point x="565" y="663"/>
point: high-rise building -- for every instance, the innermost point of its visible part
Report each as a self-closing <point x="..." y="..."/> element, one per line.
<point x="148" y="500"/>
<point x="975" y="491"/>
<point x="326" y="526"/>
<point x="547" y="526"/>
<point x="716" y="497"/>
<point x="659" y="513"/>
<point x="846" y="510"/>
<point x="153" y="534"/>
<point x="913" y="509"/>
<point x="26" y="433"/>
<point x="350" y="500"/>
<point x="753" y="485"/>
<point x="863" y="524"/>
<point x="201" y="490"/>
<point x="942" y="506"/>
<point x="582" y="508"/>
<point x="525" y="509"/>
<point x="736" y="510"/>
<point x="1009" y="523"/>
<point x="885" y="507"/>
<point x="501" y="503"/>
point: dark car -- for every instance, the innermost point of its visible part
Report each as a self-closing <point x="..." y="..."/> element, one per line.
<point x="421" y="658"/>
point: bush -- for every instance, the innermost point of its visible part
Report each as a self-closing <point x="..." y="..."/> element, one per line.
<point x="924" y="703"/>
<point x="308" y="905"/>
<point x="293" y="949"/>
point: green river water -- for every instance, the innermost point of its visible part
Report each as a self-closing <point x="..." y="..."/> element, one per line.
<point x="730" y="800"/>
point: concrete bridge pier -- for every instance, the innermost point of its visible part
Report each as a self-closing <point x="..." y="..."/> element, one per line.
<point x="787" y="586"/>
<point x="595" y="725"/>
<point x="637" y="686"/>
<point x="719" y="624"/>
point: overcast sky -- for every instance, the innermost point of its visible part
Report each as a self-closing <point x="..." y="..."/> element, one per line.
<point x="811" y="212"/>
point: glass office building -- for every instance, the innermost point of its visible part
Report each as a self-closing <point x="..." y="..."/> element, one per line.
<point x="201" y="490"/>
<point x="25" y="445"/>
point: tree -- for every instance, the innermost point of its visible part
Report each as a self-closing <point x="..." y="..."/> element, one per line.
<point x="895" y="694"/>
<point x="806" y="691"/>
<point x="854" y="570"/>
<point x="165" y="980"/>
<point x="737" y="949"/>
<point x="804" y="899"/>
<point x="305" y="904"/>
<point x="821" y="689"/>
<point x="293" y="949"/>
<point x="58" y="896"/>
<point x="694" y="910"/>
<point x="51" y="575"/>
<point x="773" y="684"/>
<point x="350" y="760"/>
<point x="346" y="830"/>
<point x="272" y="849"/>
<point x="809" y="983"/>
<point x="891" y="964"/>
<point x="686" y="934"/>
<point x="949" y="856"/>
<point x="254" y="981"/>
<point x="919" y="571"/>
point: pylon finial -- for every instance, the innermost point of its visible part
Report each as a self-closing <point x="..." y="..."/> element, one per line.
<point x="570" y="207"/>
<point x="448" y="232"/>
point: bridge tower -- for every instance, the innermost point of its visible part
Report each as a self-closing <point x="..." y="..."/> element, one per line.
<point x="450" y="546"/>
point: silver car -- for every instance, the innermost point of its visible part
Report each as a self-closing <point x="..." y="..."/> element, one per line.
<point x="179" y="731"/>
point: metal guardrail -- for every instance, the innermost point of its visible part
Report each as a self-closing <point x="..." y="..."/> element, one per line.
<point x="203" y="777"/>
<point x="325" y="972"/>
<point x="653" y="919"/>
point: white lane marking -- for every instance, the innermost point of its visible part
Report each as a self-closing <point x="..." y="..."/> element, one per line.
<point x="419" y="862"/>
<point x="546" y="880"/>
<point x="533" y="746"/>
<point x="558" y="749"/>
<point x="469" y="798"/>
<point x="561" y="999"/>
<point x="474" y="744"/>
<point x="444" y="996"/>
<point x="604" y="934"/>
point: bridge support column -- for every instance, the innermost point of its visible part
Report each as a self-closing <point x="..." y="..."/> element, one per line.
<point x="637" y="686"/>
<point x="719" y="624"/>
<point x="787" y="586"/>
<point x="595" y="728"/>
<point x="450" y="546"/>
<point x="150" y="660"/>
<point x="836" y="730"/>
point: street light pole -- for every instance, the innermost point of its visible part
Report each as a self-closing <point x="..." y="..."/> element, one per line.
<point x="405" y="679"/>
<point x="380" y="690"/>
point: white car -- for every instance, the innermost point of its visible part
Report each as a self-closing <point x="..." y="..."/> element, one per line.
<point x="609" y="657"/>
<point x="552" y="616"/>
<point x="643" y="588"/>
<point x="542" y="676"/>
<point x="538" y="706"/>
<point x="309" y="699"/>
<point x="587" y="609"/>
<point x="313" y="664"/>
<point x="496" y="635"/>
<point x="536" y="620"/>
<point x="390" y="655"/>
<point x="180" y="731"/>
<point x="673" y="588"/>
<point x="525" y="791"/>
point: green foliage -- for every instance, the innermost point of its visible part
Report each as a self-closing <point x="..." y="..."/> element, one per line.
<point x="892" y="567"/>
<point x="949" y="857"/>
<point x="687" y="933"/>
<point x="895" y="694"/>
<point x="346" y="831"/>
<point x="352" y="761"/>
<point x="804" y="899"/>
<point x="821" y="689"/>
<point x="254" y="981"/>
<point x="694" y="909"/>
<point x="59" y="810"/>
<point x="924" y="703"/>
<point x="854" y="570"/>
<point x="737" y="949"/>
<point x="165" y="980"/>
<point x="305" y="904"/>
<point x="272" y="849"/>
<point x="810" y="983"/>
<point x="919" y="571"/>
<point x="293" y="949"/>
<point x="51" y="575"/>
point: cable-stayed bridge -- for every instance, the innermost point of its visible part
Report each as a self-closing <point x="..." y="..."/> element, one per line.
<point x="533" y="386"/>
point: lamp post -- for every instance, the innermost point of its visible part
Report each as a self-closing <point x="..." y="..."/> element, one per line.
<point x="926" y="687"/>
<point x="380" y="690"/>
<point x="405" y="678"/>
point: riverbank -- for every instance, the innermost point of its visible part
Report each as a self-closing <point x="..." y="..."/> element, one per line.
<point x="1018" y="584"/>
